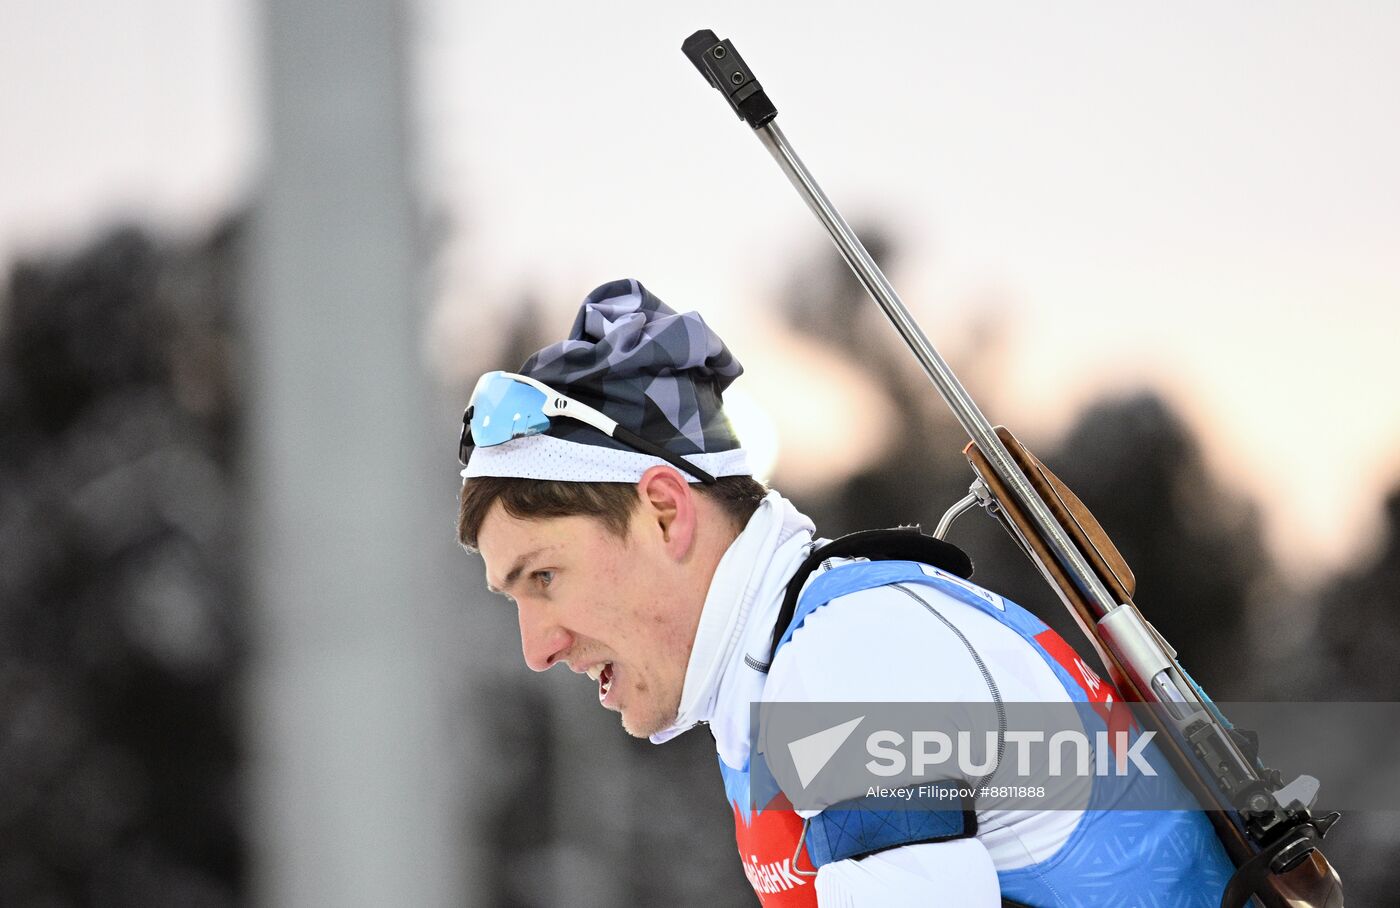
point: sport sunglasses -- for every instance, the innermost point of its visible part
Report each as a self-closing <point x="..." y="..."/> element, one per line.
<point x="505" y="405"/>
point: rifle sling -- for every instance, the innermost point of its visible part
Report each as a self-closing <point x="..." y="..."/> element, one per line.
<point x="894" y="544"/>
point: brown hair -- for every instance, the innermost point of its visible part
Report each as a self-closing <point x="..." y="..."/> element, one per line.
<point x="610" y="502"/>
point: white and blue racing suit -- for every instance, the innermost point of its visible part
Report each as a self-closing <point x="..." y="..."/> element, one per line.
<point x="899" y="631"/>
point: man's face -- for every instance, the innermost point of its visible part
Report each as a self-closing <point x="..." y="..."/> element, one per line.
<point x="616" y="608"/>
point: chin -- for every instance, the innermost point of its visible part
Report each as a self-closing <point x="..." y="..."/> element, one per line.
<point x="644" y="724"/>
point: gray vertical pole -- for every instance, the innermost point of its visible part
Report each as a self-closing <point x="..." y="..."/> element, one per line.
<point x="354" y="799"/>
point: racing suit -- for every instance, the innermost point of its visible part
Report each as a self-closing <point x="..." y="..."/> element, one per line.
<point x="930" y="638"/>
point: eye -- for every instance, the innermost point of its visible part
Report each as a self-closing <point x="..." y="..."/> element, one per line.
<point x="543" y="578"/>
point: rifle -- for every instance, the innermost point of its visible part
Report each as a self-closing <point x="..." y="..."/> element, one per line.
<point x="1267" y="827"/>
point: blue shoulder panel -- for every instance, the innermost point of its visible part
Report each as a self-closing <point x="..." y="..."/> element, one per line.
<point x="863" y="575"/>
<point x="836" y="834"/>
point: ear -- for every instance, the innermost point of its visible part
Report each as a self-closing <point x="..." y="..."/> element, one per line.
<point x="669" y="505"/>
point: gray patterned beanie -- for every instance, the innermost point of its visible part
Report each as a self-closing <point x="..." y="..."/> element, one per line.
<point x="658" y="373"/>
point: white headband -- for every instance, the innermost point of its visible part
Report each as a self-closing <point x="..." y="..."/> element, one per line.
<point x="547" y="457"/>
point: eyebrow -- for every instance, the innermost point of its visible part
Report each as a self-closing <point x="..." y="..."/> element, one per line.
<point x="514" y="573"/>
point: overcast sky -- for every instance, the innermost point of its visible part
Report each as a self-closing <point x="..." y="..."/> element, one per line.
<point x="1198" y="196"/>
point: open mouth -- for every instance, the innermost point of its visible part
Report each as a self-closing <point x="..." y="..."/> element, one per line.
<point x="603" y="674"/>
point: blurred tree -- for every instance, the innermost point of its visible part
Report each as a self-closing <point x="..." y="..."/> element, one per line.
<point x="120" y="636"/>
<point x="1195" y="547"/>
<point x="1359" y="624"/>
<point x="528" y="332"/>
<point x="518" y="819"/>
<point x="1348" y="655"/>
<point x="922" y="471"/>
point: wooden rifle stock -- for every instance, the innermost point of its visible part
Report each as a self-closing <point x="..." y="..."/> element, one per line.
<point x="1313" y="883"/>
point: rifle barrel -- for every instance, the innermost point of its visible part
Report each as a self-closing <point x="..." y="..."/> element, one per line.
<point x="977" y="426"/>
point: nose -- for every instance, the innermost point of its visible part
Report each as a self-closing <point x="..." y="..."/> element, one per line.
<point x="542" y="641"/>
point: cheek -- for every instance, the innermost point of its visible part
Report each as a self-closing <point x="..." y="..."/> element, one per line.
<point x="637" y="609"/>
<point x="670" y="630"/>
<point x="641" y="611"/>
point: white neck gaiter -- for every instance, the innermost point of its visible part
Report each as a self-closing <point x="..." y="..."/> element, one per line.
<point x="754" y="569"/>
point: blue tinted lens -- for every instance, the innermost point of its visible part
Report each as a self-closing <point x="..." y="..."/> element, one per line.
<point x="504" y="409"/>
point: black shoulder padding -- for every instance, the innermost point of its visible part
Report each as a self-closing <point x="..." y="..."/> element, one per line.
<point x="896" y="544"/>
